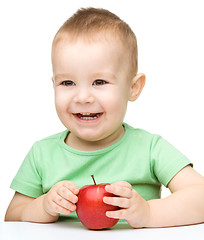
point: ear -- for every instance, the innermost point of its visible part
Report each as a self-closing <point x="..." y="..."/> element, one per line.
<point x="53" y="82"/>
<point x="137" y="85"/>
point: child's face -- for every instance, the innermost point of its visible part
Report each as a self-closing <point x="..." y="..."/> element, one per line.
<point x="91" y="88"/>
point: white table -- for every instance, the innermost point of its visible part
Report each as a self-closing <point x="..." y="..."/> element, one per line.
<point x="75" y="231"/>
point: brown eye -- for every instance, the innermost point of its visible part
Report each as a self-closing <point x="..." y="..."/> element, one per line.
<point x="99" y="82"/>
<point x="68" y="83"/>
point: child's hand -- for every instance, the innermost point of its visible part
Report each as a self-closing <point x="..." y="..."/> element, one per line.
<point x="134" y="209"/>
<point x="61" y="198"/>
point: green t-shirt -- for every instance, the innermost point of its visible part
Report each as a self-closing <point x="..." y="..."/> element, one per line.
<point x="143" y="159"/>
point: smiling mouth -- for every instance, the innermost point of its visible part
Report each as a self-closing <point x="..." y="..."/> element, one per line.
<point x="88" y="116"/>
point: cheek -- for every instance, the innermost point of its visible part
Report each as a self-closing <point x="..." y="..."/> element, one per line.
<point x="61" y="101"/>
<point x="115" y="103"/>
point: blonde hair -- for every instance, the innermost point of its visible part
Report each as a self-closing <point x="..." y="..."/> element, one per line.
<point x="91" y="22"/>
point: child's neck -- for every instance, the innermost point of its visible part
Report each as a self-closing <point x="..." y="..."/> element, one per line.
<point x="83" y="145"/>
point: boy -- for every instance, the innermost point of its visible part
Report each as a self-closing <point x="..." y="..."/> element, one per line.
<point x="94" y="58"/>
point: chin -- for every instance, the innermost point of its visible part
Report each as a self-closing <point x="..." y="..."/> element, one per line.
<point x="90" y="138"/>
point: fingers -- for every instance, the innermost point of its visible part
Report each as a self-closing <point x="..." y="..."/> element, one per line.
<point x="71" y="186"/>
<point x="61" y="198"/>
<point x="117" y="201"/>
<point x="123" y="184"/>
<point x="65" y="203"/>
<point x="66" y="194"/>
<point x="59" y="209"/>
<point x="119" y="214"/>
<point x="122" y="189"/>
<point x="124" y="199"/>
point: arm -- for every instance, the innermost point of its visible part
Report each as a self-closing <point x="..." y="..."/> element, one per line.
<point x="184" y="206"/>
<point x="46" y="208"/>
<point x="24" y="208"/>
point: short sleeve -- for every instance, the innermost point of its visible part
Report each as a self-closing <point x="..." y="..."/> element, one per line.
<point x="28" y="179"/>
<point x="166" y="160"/>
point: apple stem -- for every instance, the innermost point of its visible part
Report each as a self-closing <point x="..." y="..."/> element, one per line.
<point x="93" y="179"/>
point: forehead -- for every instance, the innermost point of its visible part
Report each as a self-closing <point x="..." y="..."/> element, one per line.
<point x="77" y="46"/>
<point x="70" y="48"/>
<point x="90" y="57"/>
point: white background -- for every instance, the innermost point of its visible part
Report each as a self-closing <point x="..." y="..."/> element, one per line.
<point x="171" y="54"/>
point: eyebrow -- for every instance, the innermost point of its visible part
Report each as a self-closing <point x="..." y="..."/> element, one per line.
<point x="57" y="77"/>
<point x="104" y="74"/>
<point x="62" y="76"/>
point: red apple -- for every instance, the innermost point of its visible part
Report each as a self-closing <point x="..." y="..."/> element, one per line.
<point x="91" y="210"/>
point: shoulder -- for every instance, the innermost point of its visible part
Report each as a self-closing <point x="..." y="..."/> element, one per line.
<point x="53" y="137"/>
<point x="141" y="135"/>
<point x="51" y="141"/>
<point x="154" y="142"/>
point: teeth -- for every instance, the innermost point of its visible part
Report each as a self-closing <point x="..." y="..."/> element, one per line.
<point x="85" y="113"/>
<point x="88" y="118"/>
<point x="80" y="115"/>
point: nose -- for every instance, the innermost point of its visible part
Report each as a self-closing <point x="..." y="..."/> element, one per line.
<point x="83" y="96"/>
